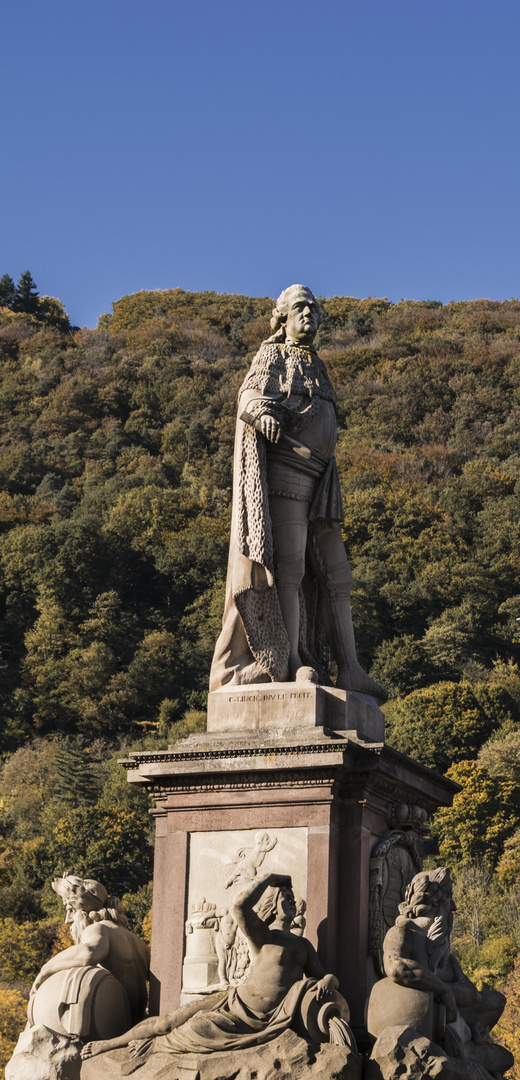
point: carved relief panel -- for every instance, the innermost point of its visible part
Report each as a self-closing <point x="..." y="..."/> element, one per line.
<point x="216" y="954"/>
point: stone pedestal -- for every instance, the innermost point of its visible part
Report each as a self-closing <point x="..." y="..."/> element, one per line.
<point x="279" y="706"/>
<point x="305" y="800"/>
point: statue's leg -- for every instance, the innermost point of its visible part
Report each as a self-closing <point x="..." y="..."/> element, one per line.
<point x="330" y="564"/>
<point x="289" y="522"/>
<point x="146" y="1029"/>
<point x="152" y="1027"/>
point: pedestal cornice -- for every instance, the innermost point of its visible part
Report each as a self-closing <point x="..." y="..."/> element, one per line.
<point x="212" y="763"/>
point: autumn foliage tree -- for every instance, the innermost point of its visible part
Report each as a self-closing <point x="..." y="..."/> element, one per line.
<point x="484" y="814"/>
<point x="13" y="1017"/>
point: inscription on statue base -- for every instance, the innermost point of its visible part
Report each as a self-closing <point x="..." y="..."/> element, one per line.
<point x="268" y="706"/>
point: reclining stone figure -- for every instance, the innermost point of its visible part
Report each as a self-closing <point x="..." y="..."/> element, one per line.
<point x="426" y="990"/>
<point x="286" y="987"/>
<point x="97" y="987"/>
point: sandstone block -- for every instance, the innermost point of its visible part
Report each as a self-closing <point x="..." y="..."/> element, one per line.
<point x="41" y="1054"/>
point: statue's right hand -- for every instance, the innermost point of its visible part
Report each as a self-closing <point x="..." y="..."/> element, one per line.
<point x="270" y="428"/>
<point x="279" y="880"/>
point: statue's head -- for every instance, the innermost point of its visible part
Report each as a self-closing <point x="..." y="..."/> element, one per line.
<point x="80" y="894"/>
<point x="87" y="901"/>
<point x="296" y="316"/>
<point x="428" y="901"/>
<point x="427" y="893"/>
<point x="277" y="902"/>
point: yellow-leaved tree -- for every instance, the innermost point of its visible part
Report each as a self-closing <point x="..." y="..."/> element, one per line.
<point x="13" y="1017"/>
<point x="483" y="816"/>
<point x="507" y="1030"/>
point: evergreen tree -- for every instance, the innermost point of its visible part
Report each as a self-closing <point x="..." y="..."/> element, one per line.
<point x="74" y="782"/>
<point x="26" y="297"/>
<point x="7" y="291"/>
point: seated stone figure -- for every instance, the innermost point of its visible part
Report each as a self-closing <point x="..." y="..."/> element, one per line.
<point x="97" y="987"/>
<point x="286" y="987"/>
<point x="426" y="989"/>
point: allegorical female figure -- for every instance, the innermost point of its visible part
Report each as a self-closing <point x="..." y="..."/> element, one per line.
<point x="288" y="573"/>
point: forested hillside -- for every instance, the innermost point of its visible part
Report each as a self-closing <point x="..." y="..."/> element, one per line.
<point x="115" y="481"/>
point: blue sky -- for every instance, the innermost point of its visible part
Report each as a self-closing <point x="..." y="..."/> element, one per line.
<point x="365" y="147"/>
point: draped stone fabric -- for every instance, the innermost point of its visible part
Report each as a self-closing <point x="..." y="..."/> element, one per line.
<point x="229" y="1024"/>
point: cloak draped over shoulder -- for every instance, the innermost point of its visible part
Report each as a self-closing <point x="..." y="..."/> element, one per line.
<point x="290" y="383"/>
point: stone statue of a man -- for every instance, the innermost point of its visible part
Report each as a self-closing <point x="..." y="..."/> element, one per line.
<point x="288" y="573"/>
<point x="107" y="965"/>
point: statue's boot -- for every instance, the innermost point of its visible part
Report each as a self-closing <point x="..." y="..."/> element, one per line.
<point x="337" y="621"/>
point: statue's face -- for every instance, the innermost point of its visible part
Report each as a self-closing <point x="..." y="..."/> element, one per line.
<point x="78" y="924"/>
<point x="303" y="318"/>
<point x="70" y="911"/>
<point x="286" y="905"/>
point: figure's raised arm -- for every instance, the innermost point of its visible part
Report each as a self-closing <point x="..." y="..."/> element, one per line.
<point x="254" y="928"/>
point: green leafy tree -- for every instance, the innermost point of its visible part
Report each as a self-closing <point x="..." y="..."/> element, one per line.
<point x="74" y="782"/>
<point x="501" y="755"/>
<point x="507" y="1031"/>
<point x="508" y="868"/>
<point x="27" y="781"/>
<point x="471" y="894"/>
<point x="488" y="964"/>
<point x="137" y="907"/>
<point x="13" y="1018"/>
<point x="361" y="322"/>
<point x="115" y="478"/>
<point x="439" y="725"/>
<point x="25" y="948"/>
<point x="153" y="670"/>
<point x="400" y="664"/>
<point x="110" y="843"/>
<point x="52" y="312"/>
